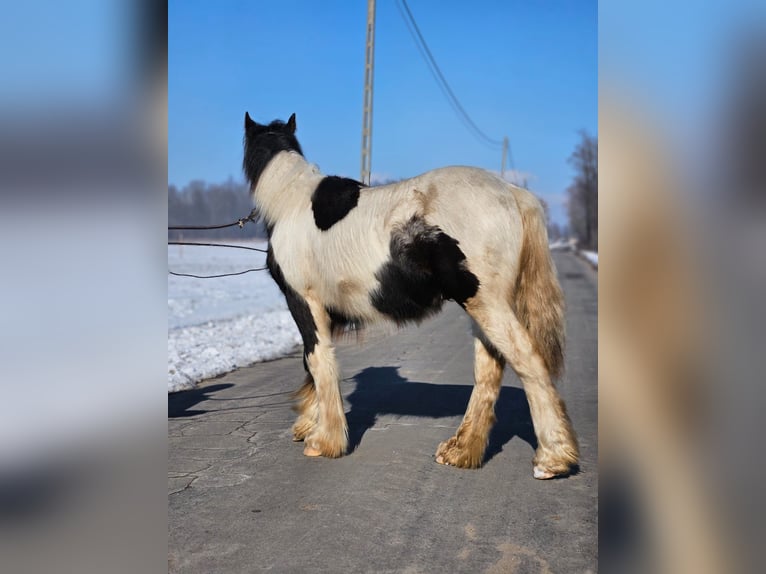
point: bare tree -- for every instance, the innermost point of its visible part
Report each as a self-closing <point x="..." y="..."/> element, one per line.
<point x="554" y="231"/>
<point x="546" y="208"/>
<point x="583" y="192"/>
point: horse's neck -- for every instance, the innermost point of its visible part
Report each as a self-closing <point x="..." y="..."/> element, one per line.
<point x="286" y="185"/>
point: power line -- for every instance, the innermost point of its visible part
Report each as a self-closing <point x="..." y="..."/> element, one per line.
<point x="425" y="52"/>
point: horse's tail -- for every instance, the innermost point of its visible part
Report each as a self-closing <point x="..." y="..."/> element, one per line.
<point x="537" y="299"/>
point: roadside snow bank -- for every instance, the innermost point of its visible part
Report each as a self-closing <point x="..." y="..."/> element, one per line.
<point x="591" y="257"/>
<point x="560" y="245"/>
<point x="204" y="351"/>
<point x="217" y="325"/>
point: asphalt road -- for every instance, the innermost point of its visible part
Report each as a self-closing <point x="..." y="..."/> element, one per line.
<point x="243" y="498"/>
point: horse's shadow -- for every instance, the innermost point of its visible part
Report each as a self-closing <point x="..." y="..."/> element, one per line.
<point x="179" y="404"/>
<point x="381" y="390"/>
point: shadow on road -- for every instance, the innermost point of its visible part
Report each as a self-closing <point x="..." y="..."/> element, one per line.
<point x="179" y="403"/>
<point x="381" y="390"/>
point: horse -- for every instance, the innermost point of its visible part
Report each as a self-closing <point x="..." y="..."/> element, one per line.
<point x="345" y="254"/>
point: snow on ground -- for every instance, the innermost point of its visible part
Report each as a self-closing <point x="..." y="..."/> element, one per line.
<point x="571" y="245"/>
<point x="217" y="325"/>
<point x="591" y="256"/>
<point x="560" y="244"/>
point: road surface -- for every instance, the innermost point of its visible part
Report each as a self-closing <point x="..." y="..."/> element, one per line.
<point x="243" y="498"/>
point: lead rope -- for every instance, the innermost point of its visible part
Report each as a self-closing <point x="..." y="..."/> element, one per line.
<point x="240" y="223"/>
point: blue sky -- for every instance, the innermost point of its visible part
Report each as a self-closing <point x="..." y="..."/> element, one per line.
<point x="527" y="70"/>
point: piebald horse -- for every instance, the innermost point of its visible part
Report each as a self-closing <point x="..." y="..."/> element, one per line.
<point x="346" y="254"/>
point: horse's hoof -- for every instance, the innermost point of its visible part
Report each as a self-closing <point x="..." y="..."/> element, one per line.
<point x="542" y="474"/>
<point x="555" y="463"/>
<point x="468" y="456"/>
<point x="311" y="451"/>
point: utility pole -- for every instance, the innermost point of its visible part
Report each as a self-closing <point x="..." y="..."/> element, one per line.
<point x="369" y="64"/>
<point x="505" y="153"/>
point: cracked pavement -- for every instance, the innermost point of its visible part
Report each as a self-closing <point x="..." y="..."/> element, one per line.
<point x="243" y="498"/>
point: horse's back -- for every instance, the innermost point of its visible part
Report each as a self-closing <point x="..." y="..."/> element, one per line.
<point x="479" y="209"/>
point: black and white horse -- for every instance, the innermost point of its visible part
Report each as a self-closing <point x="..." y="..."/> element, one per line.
<point x="344" y="253"/>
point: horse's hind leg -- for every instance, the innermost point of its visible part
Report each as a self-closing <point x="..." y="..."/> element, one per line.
<point x="557" y="450"/>
<point x="466" y="448"/>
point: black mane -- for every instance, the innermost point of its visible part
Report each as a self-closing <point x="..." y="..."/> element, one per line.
<point x="262" y="143"/>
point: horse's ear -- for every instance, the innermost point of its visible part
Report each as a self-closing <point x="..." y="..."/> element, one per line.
<point x="248" y="121"/>
<point x="291" y="124"/>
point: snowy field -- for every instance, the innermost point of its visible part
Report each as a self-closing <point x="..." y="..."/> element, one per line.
<point x="217" y="325"/>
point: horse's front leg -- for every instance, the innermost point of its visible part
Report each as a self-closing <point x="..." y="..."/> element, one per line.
<point x="329" y="435"/>
<point x="306" y="407"/>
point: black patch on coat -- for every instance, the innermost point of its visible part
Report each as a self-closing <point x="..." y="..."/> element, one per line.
<point x="426" y="268"/>
<point x="299" y="309"/>
<point x="262" y="143"/>
<point x="333" y="198"/>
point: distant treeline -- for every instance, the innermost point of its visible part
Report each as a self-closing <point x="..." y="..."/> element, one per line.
<point x="583" y="192"/>
<point x="201" y="203"/>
